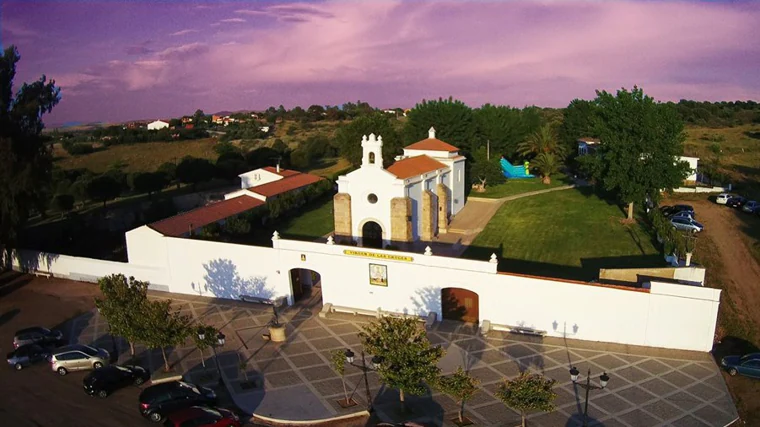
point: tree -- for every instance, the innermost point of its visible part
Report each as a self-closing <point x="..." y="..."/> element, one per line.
<point x="122" y="306"/>
<point x="79" y="187"/>
<point x="528" y="392"/>
<point x="149" y="182"/>
<point x="485" y="171"/>
<point x="408" y="358"/>
<point x="193" y="171"/>
<point x="209" y="338"/>
<point x="63" y="202"/>
<point x="222" y="148"/>
<point x="504" y="127"/>
<point x="237" y="226"/>
<point x="300" y="159"/>
<point x="199" y="119"/>
<point x="577" y="122"/>
<point x="229" y="165"/>
<point x="641" y="141"/>
<point x="543" y="140"/>
<point x="103" y="188"/>
<point x="460" y="386"/>
<point x="547" y="164"/>
<point x="163" y="327"/>
<point x="452" y="119"/>
<point x="338" y="361"/>
<point x="25" y="158"/>
<point x="169" y="170"/>
<point x="349" y="138"/>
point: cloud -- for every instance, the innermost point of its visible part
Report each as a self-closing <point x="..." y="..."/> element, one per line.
<point x="18" y="30"/>
<point x="232" y="20"/>
<point x="289" y="12"/>
<point x="183" y="52"/>
<point x="140" y="49"/>
<point x="183" y="32"/>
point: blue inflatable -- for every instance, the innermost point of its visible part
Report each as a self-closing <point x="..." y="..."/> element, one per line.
<point x="515" y="172"/>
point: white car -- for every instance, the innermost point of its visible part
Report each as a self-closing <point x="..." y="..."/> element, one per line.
<point x="723" y="198"/>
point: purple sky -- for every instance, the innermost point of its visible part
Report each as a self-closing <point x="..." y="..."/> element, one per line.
<point x="130" y="60"/>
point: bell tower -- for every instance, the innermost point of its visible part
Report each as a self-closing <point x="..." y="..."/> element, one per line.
<point x="372" y="149"/>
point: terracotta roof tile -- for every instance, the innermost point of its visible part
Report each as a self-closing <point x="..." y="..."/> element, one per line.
<point x="282" y="172"/>
<point x="286" y="184"/>
<point x="432" y="144"/>
<point x="180" y="224"/>
<point x="413" y="166"/>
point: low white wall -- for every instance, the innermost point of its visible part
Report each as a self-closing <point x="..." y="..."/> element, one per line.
<point x="664" y="315"/>
<point x="702" y="189"/>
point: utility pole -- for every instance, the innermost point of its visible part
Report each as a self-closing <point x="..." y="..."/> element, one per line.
<point x="488" y="150"/>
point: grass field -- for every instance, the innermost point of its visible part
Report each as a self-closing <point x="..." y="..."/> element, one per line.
<point x="566" y="234"/>
<point x="519" y="186"/>
<point x="145" y="157"/>
<point x="310" y="224"/>
<point x="330" y="166"/>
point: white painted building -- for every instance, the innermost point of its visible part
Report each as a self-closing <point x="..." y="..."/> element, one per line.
<point x="427" y="181"/>
<point x="693" y="165"/>
<point x="158" y="124"/>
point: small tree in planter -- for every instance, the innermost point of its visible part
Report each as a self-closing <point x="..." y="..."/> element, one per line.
<point x="461" y="387"/>
<point x="338" y="360"/>
<point x="209" y="334"/>
<point x="163" y="327"/>
<point x="528" y="392"/>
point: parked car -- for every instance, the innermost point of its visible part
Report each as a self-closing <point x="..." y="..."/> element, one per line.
<point x="751" y="206"/>
<point x="736" y="202"/>
<point x="108" y="379"/>
<point x="199" y="416"/>
<point x="36" y="335"/>
<point x="722" y="198"/>
<point x="684" y="214"/>
<point x="78" y="357"/>
<point x="687" y="224"/>
<point x="27" y="355"/>
<point x="747" y="365"/>
<point x="158" y="401"/>
<point x="669" y="211"/>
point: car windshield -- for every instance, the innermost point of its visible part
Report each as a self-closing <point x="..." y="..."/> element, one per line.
<point x="747" y="357"/>
<point x="89" y="350"/>
<point x="189" y="386"/>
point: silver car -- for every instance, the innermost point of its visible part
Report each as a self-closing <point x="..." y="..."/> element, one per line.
<point x="78" y="357"/>
<point x="687" y="224"/>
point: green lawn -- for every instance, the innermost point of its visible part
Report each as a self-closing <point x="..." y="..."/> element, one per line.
<point x="566" y="234"/>
<point x="519" y="186"/>
<point x="311" y="224"/>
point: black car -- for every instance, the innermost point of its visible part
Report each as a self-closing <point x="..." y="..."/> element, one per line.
<point x="36" y="335"/>
<point x="106" y="380"/>
<point x="736" y="202"/>
<point x="27" y="355"/>
<point x="669" y="211"/>
<point x="157" y="401"/>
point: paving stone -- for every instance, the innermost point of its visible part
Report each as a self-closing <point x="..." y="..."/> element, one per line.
<point x="330" y="387"/>
<point x="485" y="375"/>
<point x="631" y="358"/>
<point x="701" y="391"/>
<point x="678" y="379"/>
<point x="272" y="365"/>
<point x="631" y="374"/>
<point x="283" y="379"/>
<point x="344" y="328"/>
<point x="638" y="418"/>
<point x="685" y="401"/>
<point x="351" y="340"/>
<point x="482" y="398"/>
<point x="508" y="369"/>
<point x="550" y="419"/>
<point x="713" y="416"/>
<point x="636" y="395"/>
<point x="497" y="414"/>
<point x="698" y="370"/>
<point x="612" y="404"/>
<point x="565" y="397"/>
<point x="516" y="351"/>
<point x="609" y="362"/>
<point x="292" y="349"/>
<point x="489" y="356"/>
<point x="327" y="343"/>
<point x="318" y="332"/>
<point x="688" y="421"/>
<point x="304" y="360"/>
<point x="318" y="373"/>
<point x="662" y="410"/>
<point x="657" y="387"/>
<point x="674" y="363"/>
<point x="653" y="367"/>
<point x="560" y="374"/>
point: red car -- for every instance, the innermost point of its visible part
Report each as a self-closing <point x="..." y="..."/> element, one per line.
<point x="201" y="416"/>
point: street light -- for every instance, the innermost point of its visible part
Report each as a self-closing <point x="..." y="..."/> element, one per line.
<point x="220" y="341"/>
<point x="373" y="365"/>
<point x="603" y="380"/>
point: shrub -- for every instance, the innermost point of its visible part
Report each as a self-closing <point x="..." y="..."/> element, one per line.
<point x="78" y="149"/>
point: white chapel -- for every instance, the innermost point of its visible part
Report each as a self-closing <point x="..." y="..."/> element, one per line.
<point x="413" y="199"/>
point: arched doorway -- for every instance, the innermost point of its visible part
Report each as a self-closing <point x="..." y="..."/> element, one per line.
<point x="304" y="283"/>
<point x="459" y="304"/>
<point x="372" y="235"/>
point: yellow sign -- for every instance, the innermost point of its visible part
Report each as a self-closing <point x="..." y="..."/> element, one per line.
<point x="378" y="256"/>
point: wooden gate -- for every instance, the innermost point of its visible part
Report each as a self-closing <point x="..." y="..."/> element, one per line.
<point x="459" y="304"/>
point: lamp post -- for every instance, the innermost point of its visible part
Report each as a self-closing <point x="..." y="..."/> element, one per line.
<point x="201" y="339"/>
<point x="603" y="380"/>
<point x="376" y="360"/>
<point x="219" y="341"/>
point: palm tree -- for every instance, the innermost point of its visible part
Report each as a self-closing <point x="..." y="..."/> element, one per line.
<point x="547" y="164"/>
<point x="544" y="140"/>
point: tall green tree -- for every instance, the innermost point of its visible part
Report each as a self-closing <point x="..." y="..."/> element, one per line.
<point x="408" y="358"/>
<point x="453" y="121"/>
<point x="543" y="140"/>
<point x="103" y="188"/>
<point x="149" y="182"/>
<point x="162" y="327"/>
<point x="461" y="386"/>
<point x="122" y="305"/>
<point x="485" y="171"/>
<point x="577" y="122"/>
<point x="528" y="392"/>
<point x="63" y="202"/>
<point x="503" y="127"/>
<point x="641" y="141"/>
<point x="338" y="362"/>
<point x="25" y="158"/>
<point x="193" y="171"/>
<point x="349" y="137"/>
<point x="547" y="165"/>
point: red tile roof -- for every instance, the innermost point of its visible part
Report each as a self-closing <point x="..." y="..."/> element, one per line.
<point x="413" y="166"/>
<point x="282" y="172"/>
<point x="432" y="144"/>
<point x="286" y="184"/>
<point x="178" y="225"/>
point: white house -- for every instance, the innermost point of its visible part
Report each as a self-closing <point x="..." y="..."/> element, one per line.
<point x="693" y="163"/>
<point x="413" y="199"/>
<point x="158" y="124"/>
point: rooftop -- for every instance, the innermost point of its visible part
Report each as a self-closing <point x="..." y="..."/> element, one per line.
<point x="282" y="172"/>
<point x="288" y="183"/>
<point x="413" y="166"/>
<point x="181" y="224"/>
<point x="432" y="144"/>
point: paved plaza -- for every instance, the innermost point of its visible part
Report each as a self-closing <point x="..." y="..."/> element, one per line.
<point x="293" y="380"/>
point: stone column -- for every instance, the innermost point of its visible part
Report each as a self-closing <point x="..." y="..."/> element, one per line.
<point x="443" y="207"/>
<point x="342" y="214"/>
<point x="401" y="224"/>
<point x="427" y="219"/>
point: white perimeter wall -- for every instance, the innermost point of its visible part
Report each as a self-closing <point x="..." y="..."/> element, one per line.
<point x="665" y="315"/>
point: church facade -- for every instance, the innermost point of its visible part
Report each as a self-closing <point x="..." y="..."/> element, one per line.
<point x="413" y="199"/>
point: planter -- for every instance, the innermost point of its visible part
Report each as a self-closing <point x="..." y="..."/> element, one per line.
<point x="277" y="333"/>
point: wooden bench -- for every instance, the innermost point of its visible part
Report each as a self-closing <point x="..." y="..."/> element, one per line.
<point x="328" y="308"/>
<point x="277" y="302"/>
<point x="486" y="326"/>
<point x="42" y="274"/>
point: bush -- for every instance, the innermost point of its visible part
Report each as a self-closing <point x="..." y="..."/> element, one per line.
<point x="78" y="149"/>
<point x="237" y="226"/>
<point x="300" y="159"/>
